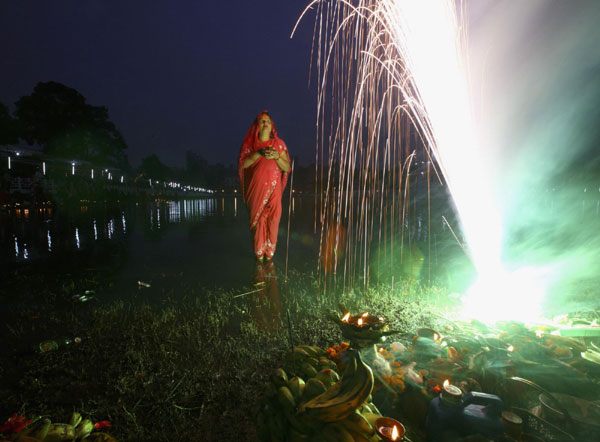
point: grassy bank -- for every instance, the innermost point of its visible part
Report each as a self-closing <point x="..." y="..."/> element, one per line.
<point x="186" y="364"/>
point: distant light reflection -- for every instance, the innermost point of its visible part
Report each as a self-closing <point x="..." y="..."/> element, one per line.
<point x="49" y="241"/>
<point x="235" y="206"/>
<point x="174" y="212"/>
<point x="77" y="242"/>
<point x="25" y="252"/>
<point x="111" y="228"/>
<point x="16" y="247"/>
<point x="95" y="230"/>
<point x="158" y="217"/>
<point x="124" y="222"/>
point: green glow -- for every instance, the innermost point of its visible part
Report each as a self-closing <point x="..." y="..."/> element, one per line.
<point x="506" y="295"/>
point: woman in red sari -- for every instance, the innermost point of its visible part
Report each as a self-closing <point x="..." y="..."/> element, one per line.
<point x="263" y="166"/>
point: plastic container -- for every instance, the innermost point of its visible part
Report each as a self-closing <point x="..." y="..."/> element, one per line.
<point x="453" y="415"/>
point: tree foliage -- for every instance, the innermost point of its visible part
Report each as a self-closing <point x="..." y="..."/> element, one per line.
<point x="8" y="127"/>
<point x="154" y="168"/>
<point x="58" y="118"/>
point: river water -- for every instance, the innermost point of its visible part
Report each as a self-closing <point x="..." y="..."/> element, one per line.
<point x="206" y="241"/>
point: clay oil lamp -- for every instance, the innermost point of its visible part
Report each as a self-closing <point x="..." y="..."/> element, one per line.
<point x="363" y="330"/>
<point x="389" y="429"/>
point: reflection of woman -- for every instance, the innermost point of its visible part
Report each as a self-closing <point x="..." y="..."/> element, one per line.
<point x="265" y="308"/>
<point x="263" y="167"/>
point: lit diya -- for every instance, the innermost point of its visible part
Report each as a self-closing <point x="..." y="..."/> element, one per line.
<point x="362" y="330"/>
<point x="389" y="429"/>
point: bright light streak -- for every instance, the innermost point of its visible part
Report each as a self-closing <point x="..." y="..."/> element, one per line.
<point x="428" y="39"/>
<point x="73" y="168"/>
<point x="505" y="295"/>
<point x="43" y="168"/>
<point x="9" y="162"/>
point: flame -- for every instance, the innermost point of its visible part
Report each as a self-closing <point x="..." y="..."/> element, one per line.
<point x="446" y="383"/>
<point x="395" y="433"/>
<point x="360" y="321"/>
<point x="345" y="317"/>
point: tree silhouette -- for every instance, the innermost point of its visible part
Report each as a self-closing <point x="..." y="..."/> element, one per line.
<point x="58" y="118"/>
<point x="8" y="127"/>
<point x="154" y="168"/>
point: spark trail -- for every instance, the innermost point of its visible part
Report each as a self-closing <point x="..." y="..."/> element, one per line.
<point x="386" y="67"/>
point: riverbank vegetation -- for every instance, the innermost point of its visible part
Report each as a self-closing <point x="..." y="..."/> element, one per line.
<point x="184" y="363"/>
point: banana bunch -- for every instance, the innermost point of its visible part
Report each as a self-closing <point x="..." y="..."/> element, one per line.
<point x="320" y="406"/>
<point x="78" y="429"/>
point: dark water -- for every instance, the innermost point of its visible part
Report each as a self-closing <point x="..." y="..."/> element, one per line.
<point x="206" y="240"/>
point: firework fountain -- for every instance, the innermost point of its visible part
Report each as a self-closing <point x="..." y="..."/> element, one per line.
<point x="388" y="67"/>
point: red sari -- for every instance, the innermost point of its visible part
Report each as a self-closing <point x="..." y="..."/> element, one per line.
<point x="262" y="186"/>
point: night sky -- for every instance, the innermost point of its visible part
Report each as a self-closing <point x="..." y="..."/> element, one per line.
<point x="174" y="75"/>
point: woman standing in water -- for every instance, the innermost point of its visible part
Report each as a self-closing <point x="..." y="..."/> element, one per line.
<point x="263" y="167"/>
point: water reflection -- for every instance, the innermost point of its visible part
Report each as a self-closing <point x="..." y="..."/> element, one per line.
<point x="265" y="305"/>
<point x="77" y="238"/>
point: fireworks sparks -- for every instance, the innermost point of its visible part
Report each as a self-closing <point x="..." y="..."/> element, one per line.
<point x="387" y="67"/>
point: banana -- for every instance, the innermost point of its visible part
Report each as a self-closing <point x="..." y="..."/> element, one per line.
<point x="75" y="419"/>
<point x="84" y="429"/>
<point x="312" y="389"/>
<point x="296" y="436"/>
<point x="327" y="363"/>
<point x="371" y="418"/>
<point x="280" y="378"/>
<point x="286" y="398"/>
<point x="342" y="434"/>
<point x="312" y="350"/>
<point x="38" y="430"/>
<point x="328" y="434"/>
<point x="262" y="427"/>
<point x="299" y="355"/>
<point x="295" y="424"/>
<point x="343" y="397"/>
<point x="314" y="362"/>
<point x="59" y="432"/>
<point x="366" y="408"/>
<point x="328" y="377"/>
<point x="357" y="423"/>
<point x="296" y="386"/>
<point x="374" y="409"/>
<point x="360" y="437"/>
<point x="276" y="426"/>
<point x="308" y="370"/>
